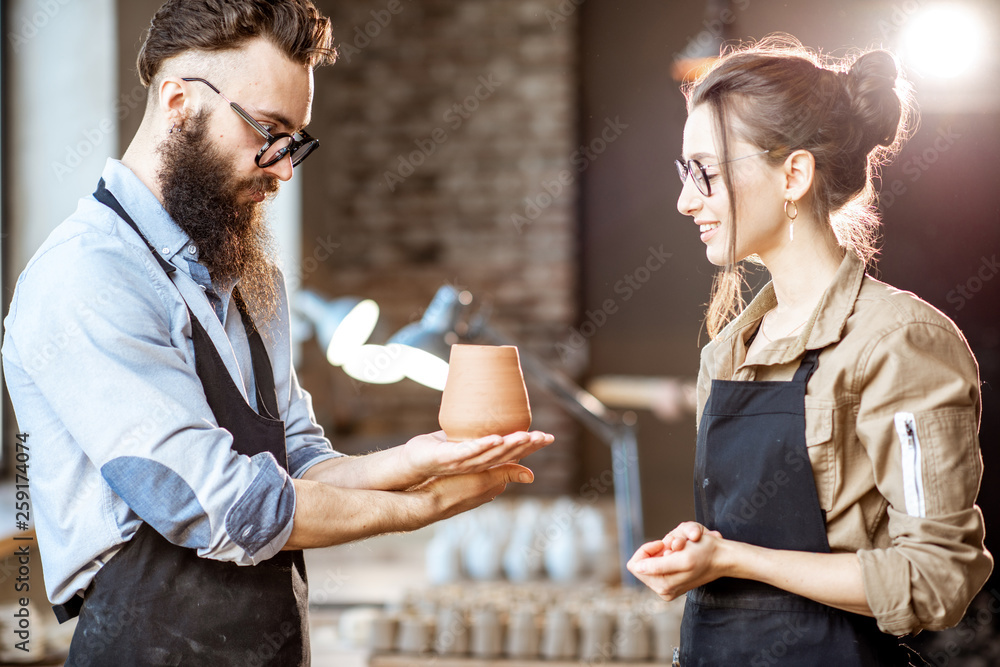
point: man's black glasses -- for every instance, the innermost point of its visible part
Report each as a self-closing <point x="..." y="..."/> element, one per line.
<point x="699" y="175"/>
<point x="276" y="146"/>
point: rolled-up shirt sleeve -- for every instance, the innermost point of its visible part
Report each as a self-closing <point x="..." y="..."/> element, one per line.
<point x="918" y="421"/>
<point x="101" y="352"/>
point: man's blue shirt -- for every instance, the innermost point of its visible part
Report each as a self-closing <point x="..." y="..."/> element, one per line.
<point x="99" y="362"/>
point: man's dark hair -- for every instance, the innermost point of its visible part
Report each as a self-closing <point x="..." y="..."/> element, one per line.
<point x="295" y="27"/>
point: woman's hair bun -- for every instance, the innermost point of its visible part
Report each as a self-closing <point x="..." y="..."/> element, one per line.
<point x="875" y="103"/>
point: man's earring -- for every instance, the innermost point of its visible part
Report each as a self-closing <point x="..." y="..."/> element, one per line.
<point x="791" y="216"/>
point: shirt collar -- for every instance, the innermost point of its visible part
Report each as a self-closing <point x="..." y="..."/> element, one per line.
<point x="823" y="328"/>
<point x="146" y="210"/>
<point x="169" y="240"/>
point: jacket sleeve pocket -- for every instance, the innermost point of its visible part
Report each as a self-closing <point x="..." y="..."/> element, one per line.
<point x="951" y="462"/>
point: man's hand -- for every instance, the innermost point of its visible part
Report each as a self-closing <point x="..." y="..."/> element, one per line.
<point x="424" y="457"/>
<point x="432" y="455"/>
<point x="326" y="515"/>
<point x="452" y="494"/>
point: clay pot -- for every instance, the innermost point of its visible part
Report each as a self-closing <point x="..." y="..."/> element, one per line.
<point x="484" y="394"/>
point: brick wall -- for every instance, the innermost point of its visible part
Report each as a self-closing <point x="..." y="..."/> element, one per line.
<point x="441" y="124"/>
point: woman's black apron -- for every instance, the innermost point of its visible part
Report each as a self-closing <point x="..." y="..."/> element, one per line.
<point x="754" y="484"/>
<point x="155" y="603"/>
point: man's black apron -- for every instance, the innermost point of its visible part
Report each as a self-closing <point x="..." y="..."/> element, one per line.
<point x="754" y="484"/>
<point x="155" y="603"/>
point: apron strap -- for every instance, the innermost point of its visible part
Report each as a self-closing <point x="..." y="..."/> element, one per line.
<point x="105" y="197"/>
<point x="258" y="354"/>
<point x="69" y="609"/>
<point x="808" y="365"/>
<point x="267" y="401"/>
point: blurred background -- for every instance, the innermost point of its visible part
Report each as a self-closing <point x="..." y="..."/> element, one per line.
<point x="521" y="150"/>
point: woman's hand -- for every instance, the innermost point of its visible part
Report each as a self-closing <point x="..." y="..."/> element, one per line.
<point x="432" y="455"/>
<point x="691" y="555"/>
<point x="687" y="557"/>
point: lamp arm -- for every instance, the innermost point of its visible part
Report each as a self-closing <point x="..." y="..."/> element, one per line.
<point x="609" y="428"/>
<point x="597" y="417"/>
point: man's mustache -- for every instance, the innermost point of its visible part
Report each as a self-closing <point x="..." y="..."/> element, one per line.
<point x="265" y="184"/>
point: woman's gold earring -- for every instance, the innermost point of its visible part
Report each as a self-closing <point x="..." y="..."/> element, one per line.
<point x="791" y="216"/>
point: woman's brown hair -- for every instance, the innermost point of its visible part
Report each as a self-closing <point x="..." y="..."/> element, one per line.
<point x="294" y="26"/>
<point x="852" y="114"/>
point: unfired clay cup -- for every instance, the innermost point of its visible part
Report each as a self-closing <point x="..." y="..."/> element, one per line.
<point x="484" y="394"/>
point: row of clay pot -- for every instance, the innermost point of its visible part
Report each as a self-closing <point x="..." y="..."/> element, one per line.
<point x="523" y="632"/>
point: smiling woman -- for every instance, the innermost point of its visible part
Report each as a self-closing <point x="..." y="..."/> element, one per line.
<point x="849" y="120"/>
<point x="833" y="407"/>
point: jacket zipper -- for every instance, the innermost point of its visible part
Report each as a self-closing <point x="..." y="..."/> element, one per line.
<point x="913" y="485"/>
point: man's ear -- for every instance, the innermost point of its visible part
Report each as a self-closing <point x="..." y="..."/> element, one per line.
<point x="799" y="170"/>
<point x="175" y="102"/>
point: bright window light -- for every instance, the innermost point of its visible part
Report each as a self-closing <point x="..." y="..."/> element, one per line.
<point x="944" y="41"/>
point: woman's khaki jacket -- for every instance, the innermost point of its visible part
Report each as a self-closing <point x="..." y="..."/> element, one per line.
<point x="892" y="420"/>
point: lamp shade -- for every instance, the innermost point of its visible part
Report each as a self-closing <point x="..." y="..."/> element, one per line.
<point x="425" y="354"/>
<point x="377" y="364"/>
<point x="342" y="325"/>
<point x="419" y="337"/>
<point x="427" y="343"/>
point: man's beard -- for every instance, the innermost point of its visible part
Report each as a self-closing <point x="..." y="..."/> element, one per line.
<point x="205" y="198"/>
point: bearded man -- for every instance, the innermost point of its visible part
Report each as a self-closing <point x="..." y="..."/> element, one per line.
<point x="177" y="469"/>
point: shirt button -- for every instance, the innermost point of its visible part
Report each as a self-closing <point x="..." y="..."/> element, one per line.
<point x="704" y="483"/>
<point x="203" y="288"/>
<point x="192" y="248"/>
<point x="246" y="533"/>
<point x="165" y="251"/>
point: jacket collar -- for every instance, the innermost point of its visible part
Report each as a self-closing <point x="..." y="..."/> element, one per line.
<point x="823" y="328"/>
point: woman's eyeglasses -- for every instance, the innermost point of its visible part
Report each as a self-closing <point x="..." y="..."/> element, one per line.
<point x="699" y="175"/>
<point x="276" y="146"/>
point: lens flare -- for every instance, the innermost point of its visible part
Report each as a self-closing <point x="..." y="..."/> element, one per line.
<point x="944" y="41"/>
